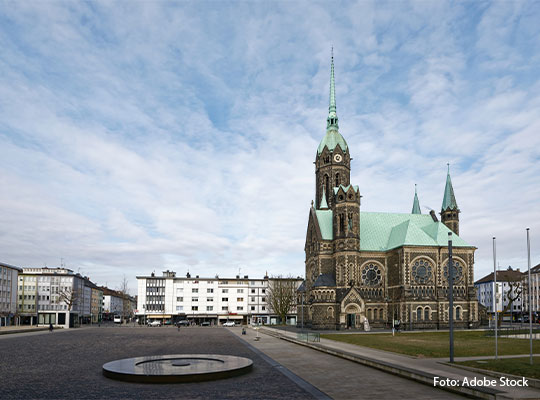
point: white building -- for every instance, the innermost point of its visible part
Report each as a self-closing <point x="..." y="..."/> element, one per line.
<point x="505" y="279"/>
<point x="8" y="293"/>
<point x="535" y="290"/>
<point x="51" y="295"/>
<point x="213" y="300"/>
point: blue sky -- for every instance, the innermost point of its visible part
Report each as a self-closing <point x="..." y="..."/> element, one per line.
<point x="142" y="136"/>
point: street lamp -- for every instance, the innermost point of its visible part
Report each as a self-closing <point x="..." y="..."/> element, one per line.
<point x="495" y="295"/>
<point x="530" y="297"/>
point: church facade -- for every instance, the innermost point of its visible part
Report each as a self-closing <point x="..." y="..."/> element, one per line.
<point x="376" y="269"/>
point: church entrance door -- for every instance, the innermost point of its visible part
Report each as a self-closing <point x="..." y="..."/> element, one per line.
<point x="351" y="321"/>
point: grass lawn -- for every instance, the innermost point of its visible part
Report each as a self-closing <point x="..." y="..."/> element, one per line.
<point x="515" y="366"/>
<point x="435" y="344"/>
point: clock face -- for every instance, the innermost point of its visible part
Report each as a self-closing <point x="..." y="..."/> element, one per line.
<point x="338" y="158"/>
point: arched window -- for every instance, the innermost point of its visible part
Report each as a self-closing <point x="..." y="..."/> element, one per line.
<point x="337" y="180"/>
<point x="458" y="312"/>
<point x="419" y="314"/>
<point x="341" y="223"/>
<point x="426" y="314"/>
<point x="330" y="312"/>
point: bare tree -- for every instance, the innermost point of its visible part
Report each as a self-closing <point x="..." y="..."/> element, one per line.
<point x="126" y="302"/>
<point x="515" y="289"/>
<point x="282" y="296"/>
<point x="69" y="297"/>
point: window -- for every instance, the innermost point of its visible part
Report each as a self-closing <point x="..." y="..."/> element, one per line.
<point x="418" y="314"/>
<point x="239" y="299"/>
<point x="209" y="290"/>
<point x="253" y="299"/>
<point x="240" y="290"/>
<point x="264" y="299"/>
<point x="179" y="290"/>
<point x="210" y="299"/>
<point x="224" y="299"/>
<point x="458" y="312"/>
<point x="179" y="299"/>
<point x="426" y="314"/>
<point x="264" y="291"/>
<point x="179" y="308"/>
<point x="194" y="299"/>
<point x="209" y="308"/>
<point x="195" y="290"/>
<point x="252" y="308"/>
<point x="224" y="308"/>
<point x="253" y="291"/>
<point x="263" y="308"/>
<point x="240" y="308"/>
<point x="194" y="308"/>
<point x="225" y="291"/>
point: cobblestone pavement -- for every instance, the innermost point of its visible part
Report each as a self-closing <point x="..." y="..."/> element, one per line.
<point x="68" y="365"/>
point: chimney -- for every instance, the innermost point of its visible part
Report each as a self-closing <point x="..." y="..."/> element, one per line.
<point x="432" y="213"/>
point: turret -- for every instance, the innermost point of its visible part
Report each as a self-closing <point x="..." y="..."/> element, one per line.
<point x="416" y="203"/>
<point x="449" y="210"/>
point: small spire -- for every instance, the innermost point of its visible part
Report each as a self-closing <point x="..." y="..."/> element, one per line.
<point x="324" y="204"/>
<point x="449" y="200"/>
<point x="332" y="120"/>
<point x="416" y="203"/>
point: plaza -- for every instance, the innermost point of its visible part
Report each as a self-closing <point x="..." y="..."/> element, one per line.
<point x="67" y="364"/>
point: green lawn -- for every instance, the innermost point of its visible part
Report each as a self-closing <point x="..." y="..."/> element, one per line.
<point x="435" y="344"/>
<point x="515" y="366"/>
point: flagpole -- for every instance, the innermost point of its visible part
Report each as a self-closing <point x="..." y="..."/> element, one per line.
<point x="530" y="297"/>
<point x="495" y="295"/>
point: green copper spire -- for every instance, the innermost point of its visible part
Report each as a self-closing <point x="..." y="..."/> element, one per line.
<point x="416" y="203"/>
<point x="323" y="204"/>
<point x="332" y="120"/>
<point x="449" y="200"/>
<point x="332" y="137"/>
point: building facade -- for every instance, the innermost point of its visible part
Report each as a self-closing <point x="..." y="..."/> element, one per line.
<point x="369" y="268"/>
<point x="8" y="293"/>
<point x="53" y="296"/>
<point x="510" y="288"/>
<point x="209" y="300"/>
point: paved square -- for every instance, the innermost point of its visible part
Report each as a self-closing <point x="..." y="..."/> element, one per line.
<point x="67" y="364"/>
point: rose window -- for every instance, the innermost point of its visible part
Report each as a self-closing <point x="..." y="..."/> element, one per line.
<point x="371" y="275"/>
<point x="422" y="271"/>
<point x="458" y="271"/>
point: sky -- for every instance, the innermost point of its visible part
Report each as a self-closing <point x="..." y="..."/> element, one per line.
<point x="144" y="136"/>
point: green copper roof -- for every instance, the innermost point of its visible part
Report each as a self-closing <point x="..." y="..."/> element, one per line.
<point x="324" y="217"/>
<point x="331" y="140"/>
<point x="449" y="200"/>
<point x="323" y="203"/>
<point x="416" y="203"/>
<point x="345" y="188"/>
<point x="386" y="231"/>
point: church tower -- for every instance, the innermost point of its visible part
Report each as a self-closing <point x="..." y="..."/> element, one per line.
<point x="449" y="210"/>
<point x="333" y="161"/>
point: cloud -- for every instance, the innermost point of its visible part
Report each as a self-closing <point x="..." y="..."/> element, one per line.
<point x="153" y="136"/>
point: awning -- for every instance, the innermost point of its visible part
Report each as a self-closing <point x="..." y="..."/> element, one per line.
<point x="157" y="316"/>
<point x="231" y="317"/>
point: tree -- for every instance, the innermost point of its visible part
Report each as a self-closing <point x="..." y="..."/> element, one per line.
<point x="515" y="289"/>
<point x="126" y="302"/>
<point x="69" y="297"/>
<point x="282" y="295"/>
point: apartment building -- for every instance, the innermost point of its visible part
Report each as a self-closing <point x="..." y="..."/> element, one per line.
<point x="8" y="293"/>
<point x="207" y="300"/>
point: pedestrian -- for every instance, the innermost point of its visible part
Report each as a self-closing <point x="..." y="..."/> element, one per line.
<point x="50" y="327"/>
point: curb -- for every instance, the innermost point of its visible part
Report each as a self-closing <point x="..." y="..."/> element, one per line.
<point x="22" y="331"/>
<point x="535" y="383"/>
<point x="408" y="373"/>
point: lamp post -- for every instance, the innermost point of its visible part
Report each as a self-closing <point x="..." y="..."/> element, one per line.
<point x="530" y="297"/>
<point x="451" y="296"/>
<point x="302" y="312"/>
<point x="495" y="295"/>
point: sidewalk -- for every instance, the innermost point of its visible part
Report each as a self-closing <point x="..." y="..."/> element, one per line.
<point x="6" y="330"/>
<point x="423" y="370"/>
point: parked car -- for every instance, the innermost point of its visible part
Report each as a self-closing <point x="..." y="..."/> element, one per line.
<point x="117" y="319"/>
<point x="184" y="322"/>
<point x="229" y="323"/>
<point x="205" y="323"/>
<point x="155" y="322"/>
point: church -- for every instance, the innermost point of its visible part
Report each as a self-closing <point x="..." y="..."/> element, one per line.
<point x="378" y="269"/>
